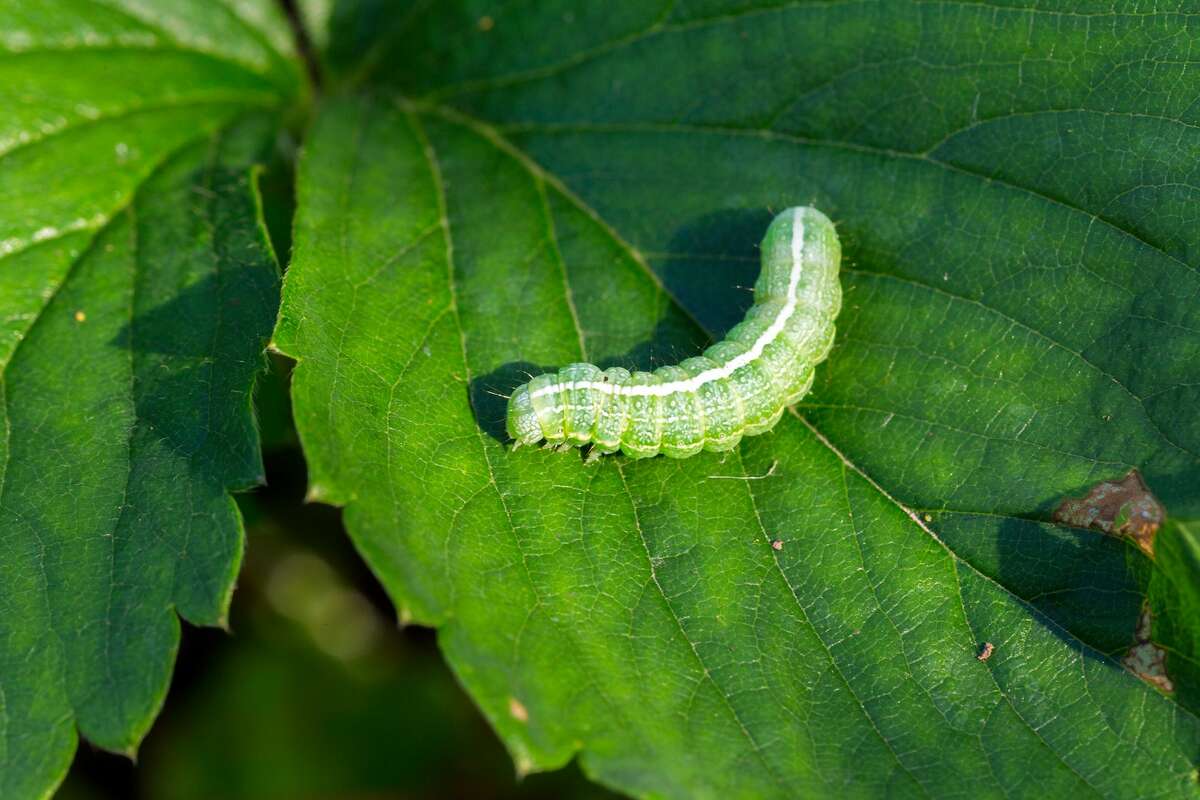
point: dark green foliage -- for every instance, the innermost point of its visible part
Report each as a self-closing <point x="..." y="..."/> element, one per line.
<point x="137" y="291"/>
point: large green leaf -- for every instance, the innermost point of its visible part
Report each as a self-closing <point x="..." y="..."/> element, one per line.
<point x="1015" y="191"/>
<point x="137" y="290"/>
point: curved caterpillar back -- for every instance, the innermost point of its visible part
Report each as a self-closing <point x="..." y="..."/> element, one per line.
<point x="738" y="387"/>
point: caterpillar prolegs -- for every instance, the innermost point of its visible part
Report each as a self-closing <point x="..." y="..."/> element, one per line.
<point x="739" y="387"/>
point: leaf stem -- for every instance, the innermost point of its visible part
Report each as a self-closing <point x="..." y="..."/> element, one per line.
<point x="304" y="42"/>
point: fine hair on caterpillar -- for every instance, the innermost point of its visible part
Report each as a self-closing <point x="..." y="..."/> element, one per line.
<point x="738" y="387"/>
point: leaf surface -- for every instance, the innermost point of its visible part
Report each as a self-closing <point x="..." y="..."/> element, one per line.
<point x="137" y="290"/>
<point x="514" y="190"/>
<point x="1173" y="600"/>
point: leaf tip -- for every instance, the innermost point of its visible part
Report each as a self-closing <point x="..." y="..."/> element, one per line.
<point x="524" y="765"/>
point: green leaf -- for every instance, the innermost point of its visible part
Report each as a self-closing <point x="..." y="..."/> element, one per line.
<point x="137" y="290"/>
<point x="1173" y="599"/>
<point x="525" y="187"/>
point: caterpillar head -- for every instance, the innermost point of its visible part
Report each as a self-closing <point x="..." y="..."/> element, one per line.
<point x="522" y="421"/>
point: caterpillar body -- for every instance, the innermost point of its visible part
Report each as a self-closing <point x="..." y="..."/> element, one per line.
<point x="738" y="387"/>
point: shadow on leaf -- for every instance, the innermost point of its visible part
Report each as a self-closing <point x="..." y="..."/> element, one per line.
<point x="195" y="357"/>
<point x="712" y="264"/>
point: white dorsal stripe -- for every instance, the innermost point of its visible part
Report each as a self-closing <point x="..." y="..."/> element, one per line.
<point x="718" y="373"/>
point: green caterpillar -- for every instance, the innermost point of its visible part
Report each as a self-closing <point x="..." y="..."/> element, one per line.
<point x="739" y="387"/>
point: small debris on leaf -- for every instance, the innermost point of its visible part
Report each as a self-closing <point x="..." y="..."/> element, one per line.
<point x="777" y="544"/>
<point x="1146" y="659"/>
<point x="518" y="710"/>
<point x="1119" y="508"/>
<point x="986" y="651"/>
<point x="80" y="316"/>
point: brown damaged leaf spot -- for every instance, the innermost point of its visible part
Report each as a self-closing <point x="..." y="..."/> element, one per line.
<point x="1120" y="508"/>
<point x="1146" y="659"/>
<point x="986" y="651"/>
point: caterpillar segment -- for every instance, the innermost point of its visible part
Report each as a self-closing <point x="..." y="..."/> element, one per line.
<point x="739" y="387"/>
